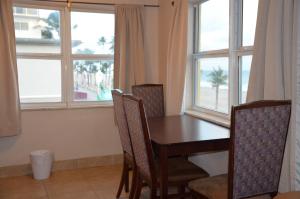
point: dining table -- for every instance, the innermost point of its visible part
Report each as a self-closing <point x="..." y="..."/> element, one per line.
<point x="183" y="135"/>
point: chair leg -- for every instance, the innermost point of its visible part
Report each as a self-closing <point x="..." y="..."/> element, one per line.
<point x="133" y="183"/>
<point x="181" y="191"/>
<point x="139" y="186"/>
<point x="153" y="193"/>
<point x="126" y="178"/>
<point x="122" y="179"/>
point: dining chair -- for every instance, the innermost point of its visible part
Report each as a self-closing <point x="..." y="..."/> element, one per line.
<point x="146" y="169"/>
<point x="125" y="140"/>
<point x="257" y="143"/>
<point x="153" y="98"/>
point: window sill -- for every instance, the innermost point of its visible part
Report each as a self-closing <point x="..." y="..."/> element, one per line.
<point x="63" y="106"/>
<point x="210" y="118"/>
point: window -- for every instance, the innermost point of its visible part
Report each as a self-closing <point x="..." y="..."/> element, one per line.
<point x="39" y="57"/>
<point x="25" y="11"/>
<point x="222" y="53"/>
<point x="18" y="10"/>
<point x="93" y="58"/>
<point x="49" y="73"/>
<point x="22" y="26"/>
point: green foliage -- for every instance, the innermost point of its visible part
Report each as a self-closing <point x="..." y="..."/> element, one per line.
<point x="79" y="67"/>
<point x="101" y="41"/>
<point x="112" y="47"/>
<point x="217" y="77"/>
<point x="53" y="21"/>
<point x="52" y="25"/>
<point x="92" y="67"/>
<point x="105" y="66"/>
<point x="47" y="33"/>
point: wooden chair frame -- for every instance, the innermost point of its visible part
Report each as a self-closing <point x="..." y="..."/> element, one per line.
<point x="152" y="182"/>
<point x="128" y="161"/>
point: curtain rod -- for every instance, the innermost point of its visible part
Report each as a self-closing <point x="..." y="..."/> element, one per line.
<point x="94" y="3"/>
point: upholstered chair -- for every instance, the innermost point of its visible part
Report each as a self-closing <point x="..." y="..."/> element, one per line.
<point x="146" y="169"/>
<point x="153" y="98"/>
<point x="258" y="137"/>
<point x="121" y="121"/>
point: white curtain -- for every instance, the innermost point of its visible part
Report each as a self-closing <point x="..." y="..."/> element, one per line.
<point x="176" y="58"/>
<point x="273" y="67"/>
<point x="129" y="47"/>
<point x="10" y="123"/>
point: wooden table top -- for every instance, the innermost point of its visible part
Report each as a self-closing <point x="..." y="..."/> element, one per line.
<point x="184" y="129"/>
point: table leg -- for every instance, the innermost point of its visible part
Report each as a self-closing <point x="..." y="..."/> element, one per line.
<point x="163" y="163"/>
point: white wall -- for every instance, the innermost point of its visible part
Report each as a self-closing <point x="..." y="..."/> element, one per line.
<point x="69" y="134"/>
<point x="77" y="133"/>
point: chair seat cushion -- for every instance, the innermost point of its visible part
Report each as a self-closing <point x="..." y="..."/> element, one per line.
<point x="215" y="187"/>
<point x="180" y="170"/>
<point x="289" y="195"/>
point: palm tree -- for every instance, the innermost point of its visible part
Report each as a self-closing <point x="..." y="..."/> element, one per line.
<point x="101" y="41"/>
<point x="112" y="47"/>
<point x="52" y="25"/>
<point x="217" y="78"/>
<point x="92" y="70"/>
<point x="80" y="69"/>
<point x="105" y="69"/>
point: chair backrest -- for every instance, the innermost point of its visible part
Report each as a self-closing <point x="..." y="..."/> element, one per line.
<point x="140" y="138"/>
<point x="258" y="137"/>
<point x="153" y="98"/>
<point x="121" y="121"/>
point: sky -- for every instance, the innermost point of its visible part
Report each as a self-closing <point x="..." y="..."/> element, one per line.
<point x="215" y="23"/>
<point x="92" y="26"/>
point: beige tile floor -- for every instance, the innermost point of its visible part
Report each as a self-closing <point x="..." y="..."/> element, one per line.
<point x="92" y="183"/>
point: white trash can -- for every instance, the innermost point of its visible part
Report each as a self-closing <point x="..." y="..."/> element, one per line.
<point x="41" y="162"/>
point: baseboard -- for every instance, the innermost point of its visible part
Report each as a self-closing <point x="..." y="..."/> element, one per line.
<point x="25" y="169"/>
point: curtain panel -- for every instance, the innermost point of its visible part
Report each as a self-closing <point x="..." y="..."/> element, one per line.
<point x="129" y="47"/>
<point x="273" y="68"/>
<point x="10" y="123"/>
<point x="296" y="136"/>
<point x="176" y="58"/>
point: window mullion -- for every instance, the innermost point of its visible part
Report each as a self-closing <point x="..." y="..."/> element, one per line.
<point x="49" y="56"/>
<point x="234" y="45"/>
<point x="92" y="57"/>
<point x="196" y="27"/>
<point x="216" y="53"/>
<point x="68" y="68"/>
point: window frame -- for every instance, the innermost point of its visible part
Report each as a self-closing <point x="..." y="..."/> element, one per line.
<point x="65" y="55"/>
<point x="234" y="53"/>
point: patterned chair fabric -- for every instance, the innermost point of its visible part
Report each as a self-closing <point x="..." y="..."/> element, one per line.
<point x="153" y="98"/>
<point x="258" y="136"/>
<point x="259" y="142"/>
<point x="140" y="138"/>
<point x="121" y="121"/>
